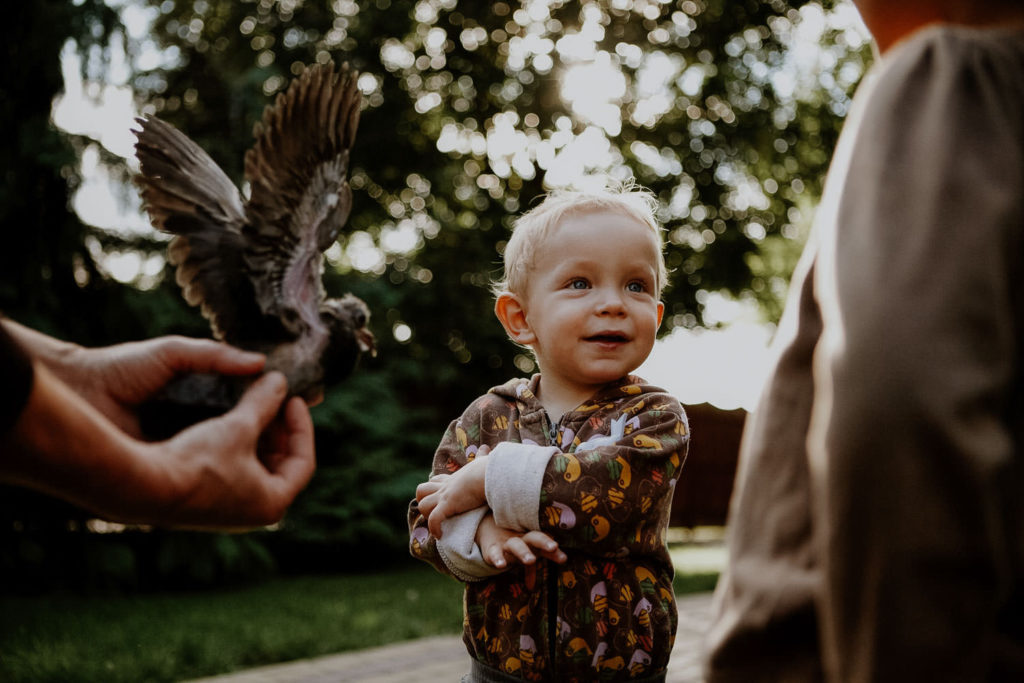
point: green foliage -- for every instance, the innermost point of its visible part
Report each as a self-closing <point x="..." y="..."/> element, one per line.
<point x="192" y="559"/>
<point x="464" y="126"/>
<point x="44" y="255"/>
<point x="695" y="583"/>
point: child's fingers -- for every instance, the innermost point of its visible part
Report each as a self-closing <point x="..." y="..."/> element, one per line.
<point x="436" y="515"/>
<point x="495" y="556"/>
<point x="427" y="504"/>
<point x="556" y="556"/>
<point x="540" y="540"/>
<point x="426" y="488"/>
<point x="520" y="550"/>
<point x="545" y="546"/>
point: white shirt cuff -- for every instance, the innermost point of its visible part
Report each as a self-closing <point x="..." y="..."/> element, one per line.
<point x="458" y="549"/>
<point x="515" y="473"/>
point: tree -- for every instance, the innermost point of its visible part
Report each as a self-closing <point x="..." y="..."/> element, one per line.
<point x="472" y="110"/>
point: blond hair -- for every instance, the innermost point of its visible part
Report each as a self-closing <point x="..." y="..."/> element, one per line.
<point x="532" y="228"/>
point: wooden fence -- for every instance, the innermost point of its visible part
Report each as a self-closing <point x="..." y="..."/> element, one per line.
<point x="705" y="484"/>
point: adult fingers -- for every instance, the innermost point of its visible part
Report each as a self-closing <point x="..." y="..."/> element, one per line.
<point x="261" y="401"/>
<point x="299" y="461"/>
<point x="183" y="354"/>
<point x="290" y="468"/>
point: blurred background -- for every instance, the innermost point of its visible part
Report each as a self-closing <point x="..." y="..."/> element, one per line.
<point x="727" y="109"/>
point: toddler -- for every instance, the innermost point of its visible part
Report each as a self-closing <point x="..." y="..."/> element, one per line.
<point x="550" y="496"/>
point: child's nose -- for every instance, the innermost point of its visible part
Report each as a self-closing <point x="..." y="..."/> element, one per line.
<point x="611" y="302"/>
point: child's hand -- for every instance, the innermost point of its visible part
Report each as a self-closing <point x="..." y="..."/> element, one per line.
<point x="445" y="496"/>
<point x="498" y="544"/>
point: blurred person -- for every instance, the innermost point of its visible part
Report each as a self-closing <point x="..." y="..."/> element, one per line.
<point x="876" y="528"/>
<point x="69" y="428"/>
<point x="551" y="495"/>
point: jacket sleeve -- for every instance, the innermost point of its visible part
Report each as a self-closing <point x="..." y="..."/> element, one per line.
<point x="612" y="499"/>
<point x="456" y="554"/>
<point x="449" y="457"/>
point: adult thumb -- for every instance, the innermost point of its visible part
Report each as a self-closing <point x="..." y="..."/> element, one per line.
<point x="263" y="398"/>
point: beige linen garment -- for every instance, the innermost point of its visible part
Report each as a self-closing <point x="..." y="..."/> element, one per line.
<point x="876" y="529"/>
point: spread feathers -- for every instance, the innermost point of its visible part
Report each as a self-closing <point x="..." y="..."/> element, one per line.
<point x="254" y="267"/>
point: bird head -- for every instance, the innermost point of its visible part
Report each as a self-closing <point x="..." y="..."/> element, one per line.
<point x="347" y="319"/>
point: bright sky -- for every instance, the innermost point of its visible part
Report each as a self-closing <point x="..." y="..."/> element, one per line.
<point x="725" y="366"/>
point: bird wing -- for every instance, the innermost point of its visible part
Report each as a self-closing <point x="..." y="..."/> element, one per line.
<point x="188" y="195"/>
<point x="300" y="198"/>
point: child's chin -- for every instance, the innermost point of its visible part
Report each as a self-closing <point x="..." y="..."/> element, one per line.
<point x="610" y="375"/>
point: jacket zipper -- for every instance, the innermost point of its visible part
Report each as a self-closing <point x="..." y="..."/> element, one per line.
<point x="551" y="579"/>
<point x="552" y="583"/>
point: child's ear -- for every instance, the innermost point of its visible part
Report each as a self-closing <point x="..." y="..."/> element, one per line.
<point x="661" y="312"/>
<point x="512" y="315"/>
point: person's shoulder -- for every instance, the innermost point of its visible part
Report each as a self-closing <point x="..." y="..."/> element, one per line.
<point x="948" y="56"/>
<point x="515" y="389"/>
<point x="944" y="81"/>
<point x="498" y="396"/>
<point x="954" y="39"/>
<point x="636" y="386"/>
<point x="634" y="394"/>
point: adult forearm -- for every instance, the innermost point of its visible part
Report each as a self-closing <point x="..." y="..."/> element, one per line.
<point x="52" y="352"/>
<point x="62" y="446"/>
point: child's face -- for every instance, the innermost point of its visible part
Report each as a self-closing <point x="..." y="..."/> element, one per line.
<point x="591" y="305"/>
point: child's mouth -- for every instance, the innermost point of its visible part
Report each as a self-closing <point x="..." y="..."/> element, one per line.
<point x="608" y="338"/>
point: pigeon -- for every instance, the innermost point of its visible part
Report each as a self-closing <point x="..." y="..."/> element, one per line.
<point x="254" y="267"/>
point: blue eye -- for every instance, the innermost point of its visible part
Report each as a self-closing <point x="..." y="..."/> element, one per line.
<point x="637" y="287"/>
<point x="578" y="283"/>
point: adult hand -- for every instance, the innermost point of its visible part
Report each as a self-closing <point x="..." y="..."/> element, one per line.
<point x="116" y="379"/>
<point x="243" y="468"/>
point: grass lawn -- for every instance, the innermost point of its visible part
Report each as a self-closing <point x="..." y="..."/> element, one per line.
<point x="170" y="637"/>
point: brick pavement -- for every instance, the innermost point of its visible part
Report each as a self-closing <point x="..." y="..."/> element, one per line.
<point x="443" y="659"/>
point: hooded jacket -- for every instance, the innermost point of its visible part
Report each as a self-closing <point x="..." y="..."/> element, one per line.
<point x="600" y="483"/>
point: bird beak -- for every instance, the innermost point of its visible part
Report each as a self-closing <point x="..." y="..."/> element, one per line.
<point x="367" y="342"/>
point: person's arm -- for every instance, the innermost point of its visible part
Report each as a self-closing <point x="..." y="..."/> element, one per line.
<point x="914" y="443"/>
<point x="517" y="494"/>
<point x="499" y="545"/>
<point x="473" y="547"/>
<point x="116" y="379"/>
<point x="238" y="470"/>
<point x="618" y="501"/>
<point x="527" y="488"/>
<point x="16" y="371"/>
<point x="449" y="457"/>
